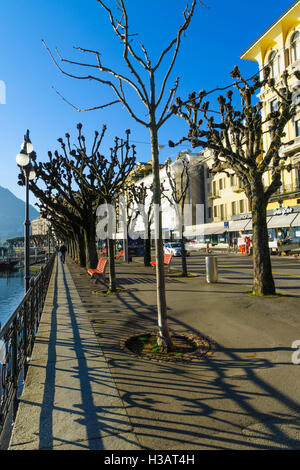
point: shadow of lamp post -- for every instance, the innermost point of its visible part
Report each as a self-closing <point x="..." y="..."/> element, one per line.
<point x="24" y="162"/>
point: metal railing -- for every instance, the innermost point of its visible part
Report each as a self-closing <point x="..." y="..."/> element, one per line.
<point x="286" y="189"/>
<point x="17" y="338"/>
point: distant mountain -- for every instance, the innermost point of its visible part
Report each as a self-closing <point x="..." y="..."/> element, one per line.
<point x="12" y="215"/>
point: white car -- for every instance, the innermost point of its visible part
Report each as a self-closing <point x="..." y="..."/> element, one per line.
<point x="173" y="248"/>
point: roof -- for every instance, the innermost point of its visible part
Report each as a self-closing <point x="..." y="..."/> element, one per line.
<point x="296" y="3"/>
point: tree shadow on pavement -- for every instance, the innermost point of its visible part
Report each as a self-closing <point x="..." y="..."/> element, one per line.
<point x="223" y="401"/>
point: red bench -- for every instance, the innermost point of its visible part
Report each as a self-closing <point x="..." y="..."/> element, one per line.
<point x="167" y="260"/>
<point x="120" y="254"/>
<point x="100" y="269"/>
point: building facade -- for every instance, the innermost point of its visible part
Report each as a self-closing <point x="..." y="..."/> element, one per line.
<point x="39" y="226"/>
<point x="228" y="213"/>
<point x="226" y="217"/>
<point x="279" y="48"/>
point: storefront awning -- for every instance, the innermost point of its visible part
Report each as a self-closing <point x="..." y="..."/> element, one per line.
<point x="296" y="221"/>
<point x="238" y="225"/>
<point x="220" y="230"/>
<point x="249" y="224"/>
<point x="214" y="229"/>
<point x="280" y="221"/>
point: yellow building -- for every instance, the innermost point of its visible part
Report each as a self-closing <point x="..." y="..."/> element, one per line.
<point x="279" y="47"/>
<point x="227" y="207"/>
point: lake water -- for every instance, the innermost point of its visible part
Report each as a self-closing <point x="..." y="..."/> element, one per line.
<point x="11" y="293"/>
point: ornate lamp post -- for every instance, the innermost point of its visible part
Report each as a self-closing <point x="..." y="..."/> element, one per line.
<point x="24" y="161"/>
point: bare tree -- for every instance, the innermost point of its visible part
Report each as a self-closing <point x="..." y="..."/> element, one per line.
<point x="179" y="182"/>
<point x="70" y="190"/>
<point x="157" y="104"/>
<point x="144" y="208"/>
<point x="111" y="174"/>
<point x="236" y="143"/>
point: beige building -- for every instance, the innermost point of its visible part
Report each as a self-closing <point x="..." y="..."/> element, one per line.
<point x="39" y="226"/>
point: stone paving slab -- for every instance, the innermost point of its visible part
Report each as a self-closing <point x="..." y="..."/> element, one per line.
<point x="69" y="400"/>
<point x="83" y="391"/>
<point x="222" y="401"/>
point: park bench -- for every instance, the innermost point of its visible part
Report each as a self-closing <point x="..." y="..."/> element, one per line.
<point x="167" y="260"/>
<point x="120" y="254"/>
<point x="99" y="271"/>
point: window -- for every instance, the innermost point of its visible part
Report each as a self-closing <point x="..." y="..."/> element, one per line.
<point x="242" y="206"/>
<point x="222" y="212"/>
<point x="232" y="180"/>
<point x="273" y="106"/>
<point x="273" y="63"/>
<point x="209" y="212"/>
<point x="295" y="46"/>
<point x="214" y="188"/>
<point x="287" y="57"/>
<point x="297" y="128"/>
<point x="215" y="211"/>
<point x="220" y="184"/>
<point x="233" y="208"/>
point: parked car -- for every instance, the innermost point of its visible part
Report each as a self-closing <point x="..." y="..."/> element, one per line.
<point x="173" y="248"/>
<point x="287" y="246"/>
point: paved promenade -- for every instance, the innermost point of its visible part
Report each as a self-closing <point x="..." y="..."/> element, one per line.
<point x="83" y="391"/>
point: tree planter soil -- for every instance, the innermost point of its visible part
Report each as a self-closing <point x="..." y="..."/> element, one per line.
<point x="186" y="347"/>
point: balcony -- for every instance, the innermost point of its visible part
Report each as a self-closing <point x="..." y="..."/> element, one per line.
<point x="292" y="148"/>
<point x="237" y="188"/>
<point x="214" y="195"/>
<point x="287" y="190"/>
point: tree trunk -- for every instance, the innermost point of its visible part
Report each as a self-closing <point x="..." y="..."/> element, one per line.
<point x="147" y="248"/>
<point x="81" y="249"/>
<point x="163" y="339"/>
<point x="263" y="282"/>
<point x="90" y="245"/>
<point x="183" y="252"/>
<point x="183" y="259"/>
<point x="112" y="271"/>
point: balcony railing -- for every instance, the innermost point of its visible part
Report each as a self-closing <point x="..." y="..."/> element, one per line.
<point x="286" y="189"/>
<point x="214" y="194"/>
<point x="237" y="188"/>
<point x="17" y="338"/>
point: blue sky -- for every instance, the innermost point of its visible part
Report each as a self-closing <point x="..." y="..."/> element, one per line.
<point x="211" y="47"/>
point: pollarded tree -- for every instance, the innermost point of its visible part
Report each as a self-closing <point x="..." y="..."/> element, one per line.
<point x="142" y="195"/>
<point x="150" y="92"/>
<point x="65" y="230"/>
<point x="179" y="182"/>
<point x="110" y="174"/>
<point x="70" y="190"/>
<point x="236" y="143"/>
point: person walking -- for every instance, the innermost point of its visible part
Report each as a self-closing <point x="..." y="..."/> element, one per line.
<point x="63" y="250"/>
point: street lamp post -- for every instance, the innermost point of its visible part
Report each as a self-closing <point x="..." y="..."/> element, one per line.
<point x="24" y="162"/>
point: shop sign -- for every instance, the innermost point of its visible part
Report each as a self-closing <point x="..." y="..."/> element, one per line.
<point x="283" y="211"/>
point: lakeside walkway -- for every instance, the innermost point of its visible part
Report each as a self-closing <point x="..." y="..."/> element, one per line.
<point x="83" y="391"/>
